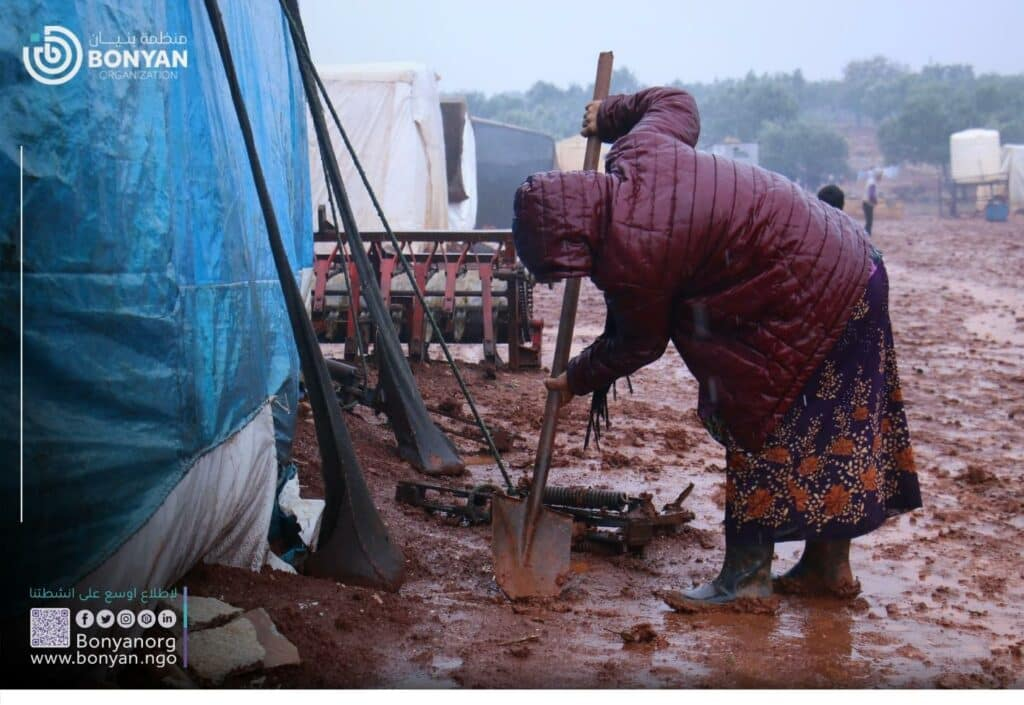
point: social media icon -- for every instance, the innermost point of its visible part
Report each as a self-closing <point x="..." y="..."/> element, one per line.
<point x="85" y="619"/>
<point x="105" y="619"/>
<point x="146" y="618"/>
<point x="126" y="619"/>
<point x="167" y="618"/>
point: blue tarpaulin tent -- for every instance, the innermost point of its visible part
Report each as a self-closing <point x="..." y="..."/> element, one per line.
<point x="155" y="333"/>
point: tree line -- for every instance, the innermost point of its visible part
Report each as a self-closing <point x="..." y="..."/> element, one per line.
<point x="794" y="119"/>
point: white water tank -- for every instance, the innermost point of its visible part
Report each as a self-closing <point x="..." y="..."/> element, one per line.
<point x="974" y="156"/>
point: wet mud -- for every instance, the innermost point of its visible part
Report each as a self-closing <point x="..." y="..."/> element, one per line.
<point x="942" y="587"/>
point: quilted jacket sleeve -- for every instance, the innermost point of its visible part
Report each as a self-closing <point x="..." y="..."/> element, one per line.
<point x="636" y="335"/>
<point x="666" y="111"/>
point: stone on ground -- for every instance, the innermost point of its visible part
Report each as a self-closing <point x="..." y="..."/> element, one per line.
<point x="216" y="653"/>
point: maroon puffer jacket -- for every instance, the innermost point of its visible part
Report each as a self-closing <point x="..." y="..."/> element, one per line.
<point x="751" y="277"/>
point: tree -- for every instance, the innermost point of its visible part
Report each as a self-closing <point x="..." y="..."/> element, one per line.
<point x="808" y="153"/>
<point x="916" y="111"/>
<point x="919" y="132"/>
<point x="1000" y="99"/>
<point x="623" y="81"/>
<point x="873" y="87"/>
<point x="764" y="102"/>
<point x="740" y="108"/>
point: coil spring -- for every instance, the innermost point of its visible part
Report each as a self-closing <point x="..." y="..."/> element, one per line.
<point x="585" y="497"/>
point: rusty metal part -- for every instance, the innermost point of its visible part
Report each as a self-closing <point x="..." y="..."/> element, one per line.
<point x="416" y="494"/>
<point x="472" y="505"/>
<point x="530" y="544"/>
<point x="351" y="387"/>
<point x="491" y="253"/>
<point x="603" y="520"/>
<point x="502" y="438"/>
<point x="677" y="503"/>
<point x="531" y="554"/>
<point x="586" y="497"/>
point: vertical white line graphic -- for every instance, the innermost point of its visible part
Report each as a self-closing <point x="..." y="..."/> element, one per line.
<point x="21" y="336"/>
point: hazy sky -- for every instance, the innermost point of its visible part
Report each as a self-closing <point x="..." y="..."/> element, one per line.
<point x="509" y="44"/>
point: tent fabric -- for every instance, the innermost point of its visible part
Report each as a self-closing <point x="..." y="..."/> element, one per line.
<point x="570" y="151"/>
<point x="155" y="328"/>
<point x="219" y="512"/>
<point x="1013" y="166"/>
<point x="392" y="115"/>
<point x="974" y="156"/>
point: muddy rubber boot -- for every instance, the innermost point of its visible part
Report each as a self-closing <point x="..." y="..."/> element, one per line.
<point x="744" y="584"/>
<point x="746" y="572"/>
<point x="745" y="576"/>
<point x="823" y="569"/>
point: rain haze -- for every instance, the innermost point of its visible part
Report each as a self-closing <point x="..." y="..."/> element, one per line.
<point x="494" y="47"/>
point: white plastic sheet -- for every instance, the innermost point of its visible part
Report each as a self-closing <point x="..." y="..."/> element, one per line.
<point x="392" y="115"/>
<point x="569" y="153"/>
<point x="219" y="513"/>
<point x="974" y="156"/>
<point x="1013" y="165"/>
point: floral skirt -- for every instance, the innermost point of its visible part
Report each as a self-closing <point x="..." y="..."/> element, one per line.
<point x="840" y="462"/>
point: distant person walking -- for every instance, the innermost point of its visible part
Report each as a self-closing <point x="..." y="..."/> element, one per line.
<point x="871" y="199"/>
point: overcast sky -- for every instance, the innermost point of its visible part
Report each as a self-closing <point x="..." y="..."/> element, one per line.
<point x="509" y="44"/>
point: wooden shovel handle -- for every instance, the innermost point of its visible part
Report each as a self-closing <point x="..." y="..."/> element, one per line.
<point x="566" y="323"/>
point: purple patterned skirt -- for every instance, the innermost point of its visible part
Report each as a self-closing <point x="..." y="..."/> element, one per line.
<point x="840" y="462"/>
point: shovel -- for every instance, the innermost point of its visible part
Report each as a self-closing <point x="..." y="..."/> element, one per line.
<point x="531" y="544"/>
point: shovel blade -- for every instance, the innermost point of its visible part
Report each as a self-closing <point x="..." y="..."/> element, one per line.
<point x="536" y="570"/>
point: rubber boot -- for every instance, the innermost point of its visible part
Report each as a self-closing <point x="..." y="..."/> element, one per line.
<point x="746" y="572"/>
<point x="823" y="569"/>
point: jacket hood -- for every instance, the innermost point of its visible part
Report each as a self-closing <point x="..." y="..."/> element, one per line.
<point x="560" y="222"/>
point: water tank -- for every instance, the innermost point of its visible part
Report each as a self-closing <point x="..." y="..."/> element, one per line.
<point x="975" y="156"/>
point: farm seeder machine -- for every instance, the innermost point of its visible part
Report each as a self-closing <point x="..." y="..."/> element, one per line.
<point x="472" y="282"/>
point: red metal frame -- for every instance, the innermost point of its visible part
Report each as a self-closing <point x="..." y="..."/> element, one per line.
<point x="501" y="263"/>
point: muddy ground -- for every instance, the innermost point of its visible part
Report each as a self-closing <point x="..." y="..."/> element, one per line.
<point x="942" y="586"/>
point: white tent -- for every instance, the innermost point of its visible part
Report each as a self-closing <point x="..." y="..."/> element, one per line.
<point x="974" y="156"/>
<point x="1013" y="165"/>
<point x="569" y="153"/>
<point x="392" y="115"/>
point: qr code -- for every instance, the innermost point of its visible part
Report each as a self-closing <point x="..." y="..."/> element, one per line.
<point x="50" y="628"/>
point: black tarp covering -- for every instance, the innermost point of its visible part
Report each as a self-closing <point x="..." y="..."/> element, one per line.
<point x="505" y="156"/>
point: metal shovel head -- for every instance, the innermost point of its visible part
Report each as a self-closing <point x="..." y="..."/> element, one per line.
<point x="536" y="570"/>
